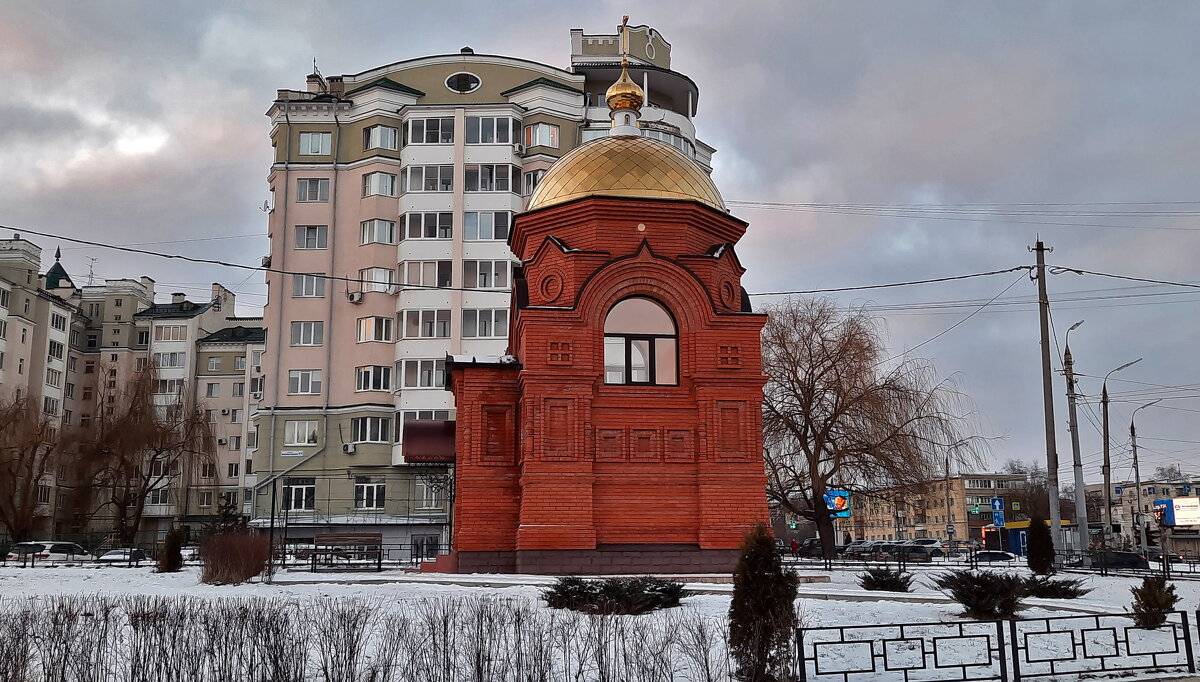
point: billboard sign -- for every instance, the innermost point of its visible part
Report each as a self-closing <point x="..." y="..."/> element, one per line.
<point x="838" y="503"/>
<point x="1179" y="511"/>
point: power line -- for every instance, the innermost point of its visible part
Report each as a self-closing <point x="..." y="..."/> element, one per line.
<point x="894" y="284"/>
<point x="1058" y="269"/>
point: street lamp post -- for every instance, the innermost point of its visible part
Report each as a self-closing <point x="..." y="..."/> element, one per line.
<point x="1081" y="517"/>
<point x="1107" y="468"/>
<point x="1137" y="481"/>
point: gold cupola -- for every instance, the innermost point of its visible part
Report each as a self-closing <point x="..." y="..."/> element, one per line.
<point x="625" y="97"/>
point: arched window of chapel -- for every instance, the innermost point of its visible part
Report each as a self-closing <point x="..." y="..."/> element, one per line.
<point x="641" y="344"/>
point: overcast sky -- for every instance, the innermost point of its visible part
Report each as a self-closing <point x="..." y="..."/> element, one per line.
<point x="143" y="122"/>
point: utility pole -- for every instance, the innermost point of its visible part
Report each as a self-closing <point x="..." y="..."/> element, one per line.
<point x="1081" y="517"/>
<point x="1137" y="481"/>
<point x="949" y="510"/>
<point x="1048" y="400"/>
<point x="1106" y="468"/>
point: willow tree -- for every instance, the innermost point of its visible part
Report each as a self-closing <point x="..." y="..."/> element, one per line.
<point x="838" y="412"/>
<point x="143" y="445"/>
<point x="31" y="445"/>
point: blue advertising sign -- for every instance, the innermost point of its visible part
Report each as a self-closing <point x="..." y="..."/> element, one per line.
<point x="838" y="503"/>
<point x="1164" y="513"/>
<point x="1179" y="511"/>
<point x="998" y="519"/>
<point x="997" y="504"/>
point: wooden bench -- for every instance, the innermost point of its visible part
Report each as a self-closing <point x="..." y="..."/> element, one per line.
<point x="347" y="550"/>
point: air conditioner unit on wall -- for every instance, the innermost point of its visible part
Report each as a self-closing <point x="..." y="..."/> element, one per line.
<point x="348" y="448"/>
<point x="518" y="148"/>
<point x="355" y="296"/>
<point x="256" y="395"/>
<point x="266" y="261"/>
<point x="225" y="411"/>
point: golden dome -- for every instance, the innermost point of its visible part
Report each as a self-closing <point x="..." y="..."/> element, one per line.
<point x="624" y="94"/>
<point x="625" y="166"/>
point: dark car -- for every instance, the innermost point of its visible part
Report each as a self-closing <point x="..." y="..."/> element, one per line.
<point x="993" y="556"/>
<point x="811" y="548"/>
<point x="1116" y="560"/>
<point x="126" y="555"/>
<point x="1156" y="554"/>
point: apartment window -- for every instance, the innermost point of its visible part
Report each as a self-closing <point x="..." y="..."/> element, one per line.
<point x="374" y="329"/>
<point x="59" y="322"/>
<point x="57" y="350"/>
<point x="485" y="324"/>
<point x="369" y="492"/>
<point x="170" y="332"/>
<point x="312" y="236"/>
<point x="204" y="498"/>
<point x="489" y="129"/>
<point x="414" y="415"/>
<point x="486" y="225"/>
<point x="168" y="387"/>
<point x="235" y="443"/>
<point x="68" y="417"/>
<point x="140" y="364"/>
<point x="233" y="469"/>
<point x="50" y="406"/>
<point x="677" y="141"/>
<point x="490" y="177"/>
<point x="485" y="274"/>
<point x="208" y="470"/>
<point x="3" y="329"/>
<point x="172" y="360"/>
<point x="308" y="333"/>
<point x="308" y="286"/>
<point x="429" y="131"/>
<point x="5" y="297"/>
<point x="251" y="443"/>
<point x="1010" y="484"/>
<point x="371" y="429"/>
<point x="378" y="232"/>
<point x="373" y="378"/>
<point x="379" y="137"/>
<point x="315" y="144"/>
<point x="980" y="483"/>
<point x="54" y="378"/>
<point x="300" y="494"/>
<point x="214" y="364"/>
<point x="428" y="496"/>
<point x="20" y="365"/>
<point x="424" y="373"/>
<point x="378" y="279"/>
<point x="239" y="363"/>
<point x="429" y="225"/>
<point x="256" y="384"/>
<point x="143" y="337"/>
<point x="257" y="355"/>
<point x="428" y="179"/>
<point x="118" y="302"/>
<point x="235" y="416"/>
<point x="427" y="324"/>
<point x="543" y="134"/>
<point x="69" y="391"/>
<point x="159" y="496"/>
<point x="300" y="432"/>
<point x="532" y="178"/>
<point x="87" y="393"/>
<point x="93" y="340"/>
<point x="427" y="273"/>
<point x="379" y="184"/>
<point x="304" y="381"/>
<point x="212" y="390"/>
<point x="312" y="189"/>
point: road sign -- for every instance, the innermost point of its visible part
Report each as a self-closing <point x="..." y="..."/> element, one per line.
<point x="998" y="519"/>
<point x="1016" y="506"/>
<point x="949" y="529"/>
<point x="998" y="504"/>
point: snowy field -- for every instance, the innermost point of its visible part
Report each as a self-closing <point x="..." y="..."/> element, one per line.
<point x="399" y="627"/>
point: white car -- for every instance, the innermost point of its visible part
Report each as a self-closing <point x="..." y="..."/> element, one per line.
<point x="125" y="556"/>
<point x="46" y="552"/>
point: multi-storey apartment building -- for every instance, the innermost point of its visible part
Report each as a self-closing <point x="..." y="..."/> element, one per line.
<point x="72" y="350"/>
<point x="394" y="194"/>
<point x="1126" y="515"/>
<point x="926" y="511"/>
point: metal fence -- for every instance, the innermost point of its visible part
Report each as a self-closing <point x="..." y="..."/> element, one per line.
<point x="1025" y="648"/>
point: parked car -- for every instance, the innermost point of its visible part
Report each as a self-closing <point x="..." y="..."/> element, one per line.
<point x="864" y="551"/>
<point x="929" y="546"/>
<point x="47" y="551"/>
<point x="811" y="548"/>
<point x="191" y="555"/>
<point x="851" y="548"/>
<point x="127" y="555"/>
<point x="992" y="556"/>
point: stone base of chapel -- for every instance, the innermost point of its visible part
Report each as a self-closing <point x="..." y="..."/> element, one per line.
<point x="605" y="560"/>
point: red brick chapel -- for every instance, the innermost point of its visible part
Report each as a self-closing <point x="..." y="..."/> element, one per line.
<point x="622" y="432"/>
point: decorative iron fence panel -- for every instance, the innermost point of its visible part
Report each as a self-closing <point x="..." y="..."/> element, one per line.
<point x="914" y="652"/>
<point x="1061" y="645"/>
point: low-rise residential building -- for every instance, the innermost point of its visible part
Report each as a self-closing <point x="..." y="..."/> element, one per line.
<point x="929" y="511"/>
<point x="1126" y="514"/>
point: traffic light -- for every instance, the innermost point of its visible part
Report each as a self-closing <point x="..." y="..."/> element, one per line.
<point x="975" y="509"/>
<point x="793" y="525"/>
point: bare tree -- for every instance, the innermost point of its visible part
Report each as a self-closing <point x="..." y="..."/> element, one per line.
<point x="31" y="445"/>
<point x="1169" y="472"/>
<point x="149" y="445"/>
<point x="836" y="414"/>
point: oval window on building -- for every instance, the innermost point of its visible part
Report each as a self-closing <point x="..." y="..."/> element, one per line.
<point x="463" y="82"/>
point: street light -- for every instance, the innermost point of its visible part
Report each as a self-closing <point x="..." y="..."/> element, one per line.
<point x="1137" y="478"/>
<point x="1107" y="468"/>
<point x="1081" y="517"/>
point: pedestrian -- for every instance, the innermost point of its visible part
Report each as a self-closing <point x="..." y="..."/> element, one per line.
<point x="795" y="547"/>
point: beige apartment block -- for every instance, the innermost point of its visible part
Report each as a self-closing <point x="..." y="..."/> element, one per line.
<point x="926" y="511"/>
<point x="394" y="190"/>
